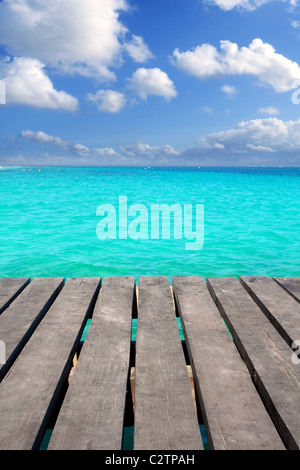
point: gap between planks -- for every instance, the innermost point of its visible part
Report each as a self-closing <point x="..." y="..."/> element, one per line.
<point x="132" y="369"/>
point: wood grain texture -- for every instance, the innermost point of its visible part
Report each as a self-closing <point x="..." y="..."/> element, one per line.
<point x="247" y="383"/>
<point x="291" y="285"/>
<point x="92" y="414"/>
<point x="29" y="392"/>
<point x="19" y="320"/>
<point x="165" y="416"/>
<point x="280" y="308"/>
<point x="266" y="354"/>
<point x="10" y="288"/>
<point x="236" y="419"/>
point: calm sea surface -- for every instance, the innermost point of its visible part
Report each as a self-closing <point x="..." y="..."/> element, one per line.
<point x="48" y="221"/>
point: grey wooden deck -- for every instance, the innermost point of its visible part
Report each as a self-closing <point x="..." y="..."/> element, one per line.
<point x="236" y="371"/>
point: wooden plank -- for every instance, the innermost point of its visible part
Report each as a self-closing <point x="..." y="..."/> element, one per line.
<point x="279" y="307"/>
<point x="220" y="375"/>
<point x="92" y="414"/>
<point x="291" y="285"/>
<point x="165" y="415"/>
<point x="10" y="288"/>
<point x="266" y="354"/>
<point x="30" y="391"/>
<point x="20" y="319"/>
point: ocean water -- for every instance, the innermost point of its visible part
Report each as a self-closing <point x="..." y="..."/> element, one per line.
<point x="49" y="221"/>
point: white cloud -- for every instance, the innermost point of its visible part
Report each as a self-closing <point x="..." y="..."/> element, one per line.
<point x="27" y="83"/>
<point x="248" y="5"/>
<point x="85" y="38"/>
<point x="145" y="82"/>
<point x="141" y="150"/>
<point x="229" y="90"/>
<point x="81" y="149"/>
<point x="43" y="138"/>
<point x="138" y="50"/>
<point x="263" y="135"/>
<point x="202" y="62"/>
<point x="134" y="154"/>
<point x="268" y="141"/>
<point x="260" y="148"/>
<point x="108" y="101"/>
<point x="105" y="152"/>
<point x="259" y="59"/>
<point x="218" y="146"/>
<point x="270" y="110"/>
<point x="295" y="24"/>
<point x="208" y="110"/>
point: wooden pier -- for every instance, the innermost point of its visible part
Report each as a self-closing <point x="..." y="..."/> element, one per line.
<point x="74" y="372"/>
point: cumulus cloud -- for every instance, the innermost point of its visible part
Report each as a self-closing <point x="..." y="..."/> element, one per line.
<point x="264" y="135"/>
<point x="27" y="83"/>
<point x="145" y="82"/>
<point x="81" y="149"/>
<point x="270" y="110"/>
<point x="139" y="149"/>
<point x="85" y="38"/>
<point x="137" y="153"/>
<point x="229" y="90"/>
<point x="43" y="138"/>
<point x="69" y="37"/>
<point x="138" y="50"/>
<point x="269" y="141"/>
<point x="295" y="24"/>
<point x="108" y="101"/>
<point x="248" y="5"/>
<point x="105" y="152"/>
<point x="259" y="59"/>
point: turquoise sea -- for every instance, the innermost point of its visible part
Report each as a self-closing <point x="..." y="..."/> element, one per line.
<point x="49" y="219"/>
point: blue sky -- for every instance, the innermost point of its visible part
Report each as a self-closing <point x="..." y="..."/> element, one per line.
<point x="150" y="83"/>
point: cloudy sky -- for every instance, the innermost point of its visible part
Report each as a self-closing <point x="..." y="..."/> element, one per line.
<point x="150" y="82"/>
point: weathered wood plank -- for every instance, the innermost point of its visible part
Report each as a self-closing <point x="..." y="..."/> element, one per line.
<point x="165" y="416"/>
<point x="92" y="414"/>
<point x="30" y="391"/>
<point x="10" y="288"/>
<point x="19" y="320"/>
<point x="291" y="285"/>
<point x="279" y="307"/>
<point x="266" y="355"/>
<point x="241" y="423"/>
